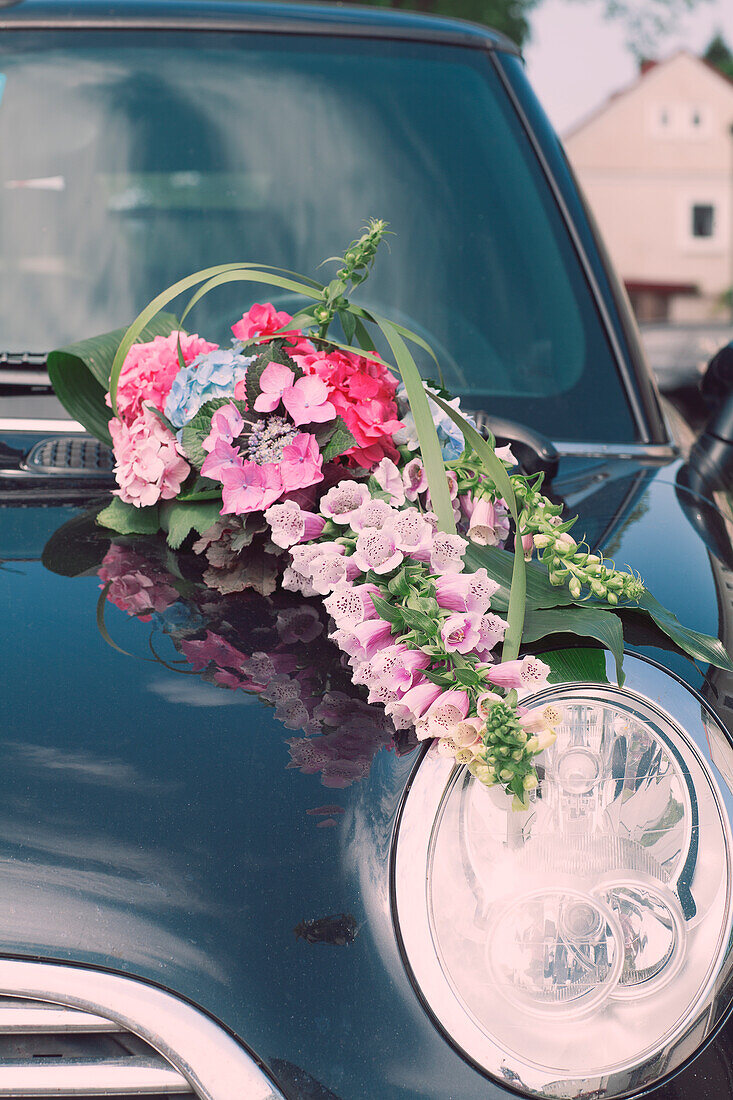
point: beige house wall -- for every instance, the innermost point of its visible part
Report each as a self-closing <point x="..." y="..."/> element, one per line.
<point x="645" y="159"/>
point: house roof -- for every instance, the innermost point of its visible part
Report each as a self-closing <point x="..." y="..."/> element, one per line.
<point x="646" y="67"/>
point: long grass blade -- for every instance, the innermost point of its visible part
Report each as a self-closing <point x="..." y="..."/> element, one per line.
<point x="432" y="455"/>
<point x="406" y="333"/>
<point x="253" y="275"/>
<point x="167" y="296"/>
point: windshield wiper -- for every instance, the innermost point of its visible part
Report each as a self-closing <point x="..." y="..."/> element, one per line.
<point x="24" y="372"/>
<point x="533" y="450"/>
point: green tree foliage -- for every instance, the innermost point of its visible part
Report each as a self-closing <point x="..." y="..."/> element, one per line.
<point x="718" y="53"/>
<point x="645" y="21"/>
<point x="508" y="16"/>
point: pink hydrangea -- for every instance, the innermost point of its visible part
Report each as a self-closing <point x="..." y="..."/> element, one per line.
<point x="301" y="463"/>
<point x="307" y="401"/>
<point x="274" y="381"/>
<point x="362" y="391"/>
<point x="149" y="369"/>
<point x="150" y="465"/>
<point x="135" y="586"/>
<point x="200" y="653"/>
<point x="247" y="487"/>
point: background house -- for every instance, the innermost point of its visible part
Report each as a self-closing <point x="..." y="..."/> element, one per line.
<point x="656" y="163"/>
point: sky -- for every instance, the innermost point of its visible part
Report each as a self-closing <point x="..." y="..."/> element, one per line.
<point x="576" y="58"/>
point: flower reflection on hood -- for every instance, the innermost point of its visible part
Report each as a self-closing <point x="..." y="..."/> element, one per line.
<point x="270" y="644"/>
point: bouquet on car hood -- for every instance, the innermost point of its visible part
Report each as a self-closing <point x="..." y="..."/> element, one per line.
<point x="380" y="496"/>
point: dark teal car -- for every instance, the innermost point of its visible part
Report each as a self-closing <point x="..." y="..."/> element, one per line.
<point x="221" y="872"/>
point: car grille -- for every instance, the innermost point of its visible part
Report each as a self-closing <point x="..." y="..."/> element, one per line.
<point x="73" y="1031"/>
<point x="52" y="1050"/>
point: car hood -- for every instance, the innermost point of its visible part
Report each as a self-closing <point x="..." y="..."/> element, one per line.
<point x="153" y="823"/>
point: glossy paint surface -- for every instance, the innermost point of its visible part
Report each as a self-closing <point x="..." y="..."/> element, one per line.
<point x="149" y="823"/>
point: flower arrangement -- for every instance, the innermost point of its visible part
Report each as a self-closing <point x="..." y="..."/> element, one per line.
<point x="379" y="496"/>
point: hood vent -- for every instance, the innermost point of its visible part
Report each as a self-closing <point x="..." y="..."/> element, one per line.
<point x="70" y="456"/>
<point x="52" y="1050"/>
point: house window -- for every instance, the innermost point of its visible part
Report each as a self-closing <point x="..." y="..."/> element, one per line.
<point x="696" y="120"/>
<point x="703" y="220"/>
<point x="663" y="118"/>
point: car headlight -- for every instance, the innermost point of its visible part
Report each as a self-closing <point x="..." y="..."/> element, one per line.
<point x="583" y="946"/>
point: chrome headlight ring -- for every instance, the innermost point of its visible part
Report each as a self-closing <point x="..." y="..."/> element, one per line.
<point x="584" y="947"/>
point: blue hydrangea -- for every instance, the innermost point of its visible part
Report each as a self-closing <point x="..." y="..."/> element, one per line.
<point x="212" y="374"/>
<point x="450" y="436"/>
<point x="178" y="617"/>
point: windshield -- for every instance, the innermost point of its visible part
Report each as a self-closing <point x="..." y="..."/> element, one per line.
<point x="130" y="159"/>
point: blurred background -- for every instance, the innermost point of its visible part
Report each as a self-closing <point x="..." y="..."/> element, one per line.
<point x="641" y="92"/>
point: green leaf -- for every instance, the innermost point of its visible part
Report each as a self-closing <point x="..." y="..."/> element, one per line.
<point x="80" y="394"/>
<point x="339" y="441"/>
<point x="388" y="611"/>
<point x="702" y="647"/>
<point x="442" y="679"/>
<point x="128" y="520"/>
<point x="362" y="335"/>
<point x="80" y="373"/>
<point x="417" y="620"/>
<point x="426" y="604"/>
<point x="179" y="519"/>
<point x="581" y="665"/>
<point x="163" y="419"/>
<point x="432" y="455"/>
<point x="195" y="432"/>
<point x="76" y="549"/>
<point x="466" y="677"/>
<point x="348" y="324"/>
<point x="498" y="564"/>
<point x="399" y="585"/>
<point x="497" y="472"/>
<point x="586" y="622"/>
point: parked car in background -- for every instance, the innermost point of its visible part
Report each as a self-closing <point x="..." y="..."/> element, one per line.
<point x="173" y="920"/>
<point x="678" y="356"/>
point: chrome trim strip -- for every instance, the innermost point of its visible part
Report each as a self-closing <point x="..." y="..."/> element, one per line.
<point x="33" y="1018"/>
<point x="474" y="36"/>
<point x="133" y="1077"/>
<point x="10" y="377"/>
<point x="214" y="1064"/>
<point x="29" y="424"/>
<point x="650" y="452"/>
